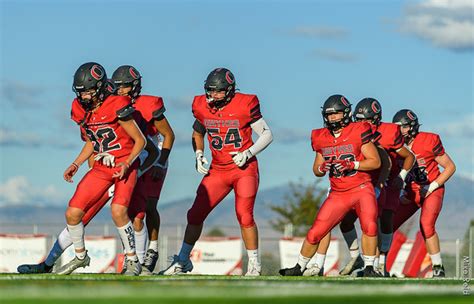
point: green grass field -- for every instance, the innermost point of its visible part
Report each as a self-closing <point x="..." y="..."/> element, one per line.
<point x="109" y="288"/>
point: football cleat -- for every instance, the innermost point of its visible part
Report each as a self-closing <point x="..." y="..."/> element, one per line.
<point x="438" y="271"/>
<point x="293" y="272"/>
<point x="354" y="264"/>
<point x="132" y="267"/>
<point x="254" y="269"/>
<point x="74" y="264"/>
<point x="314" y="271"/>
<point x="149" y="263"/>
<point x="383" y="271"/>
<point x="369" y="272"/>
<point x="178" y="267"/>
<point x="35" y="268"/>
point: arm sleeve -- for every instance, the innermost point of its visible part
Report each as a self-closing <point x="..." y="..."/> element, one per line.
<point x="366" y="134"/>
<point x="198" y="127"/>
<point x="438" y="148"/>
<point x="265" y="136"/>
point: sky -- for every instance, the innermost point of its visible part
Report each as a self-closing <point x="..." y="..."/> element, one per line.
<point x="292" y="54"/>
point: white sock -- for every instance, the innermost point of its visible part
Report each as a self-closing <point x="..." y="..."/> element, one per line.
<point x="382" y="259"/>
<point x="436" y="259"/>
<point x="127" y="236"/>
<point x="303" y="261"/>
<point x="320" y="259"/>
<point x="253" y="255"/>
<point x="376" y="262"/>
<point x="185" y="251"/>
<point x="351" y="240"/>
<point x="76" y="233"/>
<point x="153" y="245"/>
<point x="61" y="244"/>
<point x="141" y="238"/>
<point x="369" y="260"/>
<point x="386" y="241"/>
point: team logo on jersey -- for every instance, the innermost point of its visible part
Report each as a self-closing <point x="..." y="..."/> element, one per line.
<point x="375" y="107"/>
<point x="96" y="72"/>
<point x="411" y="115"/>
<point x="344" y="101"/>
<point x="229" y="78"/>
<point x="134" y="73"/>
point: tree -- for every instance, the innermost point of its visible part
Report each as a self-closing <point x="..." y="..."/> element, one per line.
<point x="300" y="207"/>
<point x="215" y="232"/>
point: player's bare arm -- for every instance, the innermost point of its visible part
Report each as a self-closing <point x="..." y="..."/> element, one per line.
<point x="130" y="126"/>
<point x="449" y="168"/>
<point x="84" y="155"/>
<point x="152" y="151"/>
<point x="408" y="162"/>
<point x="371" y="159"/>
<point x="164" y="128"/>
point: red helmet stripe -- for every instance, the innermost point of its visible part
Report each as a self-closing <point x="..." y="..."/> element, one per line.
<point x="96" y="72"/>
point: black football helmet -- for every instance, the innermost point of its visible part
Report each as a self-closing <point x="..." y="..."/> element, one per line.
<point x="220" y="79"/>
<point x="407" y="117"/>
<point x="368" y="109"/>
<point x="88" y="76"/>
<point x="127" y="75"/>
<point x="336" y="104"/>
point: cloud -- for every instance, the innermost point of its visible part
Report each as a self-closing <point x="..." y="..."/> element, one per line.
<point x="461" y="127"/>
<point x="334" y="55"/>
<point x="288" y="136"/>
<point x="21" y="94"/>
<point x="19" y="191"/>
<point x="323" y="32"/>
<point x="13" y="138"/>
<point x="180" y="102"/>
<point x="444" y="23"/>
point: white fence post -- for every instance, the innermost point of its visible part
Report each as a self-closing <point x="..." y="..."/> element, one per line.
<point x="457" y="259"/>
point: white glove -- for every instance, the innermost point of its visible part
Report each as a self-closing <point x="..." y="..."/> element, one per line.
<point x="428" y="189"/>
<point x="241" y="158"/>
<point x="107" y="159"/>
<point x="200" y="162"/>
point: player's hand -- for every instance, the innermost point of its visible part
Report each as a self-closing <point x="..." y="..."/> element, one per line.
<point x="200" y="162"/>
<point x="397" y="183"/>
<point x="344" y="165"/>
<point x="107" y="159"/>
<point x="123" y="168"/>
<point x="70" y="172"/>
<point x="241" y="158"/>
<point x="325" y="166"/>
<point x="426" y="190"/>
<point x="157" y="172"/>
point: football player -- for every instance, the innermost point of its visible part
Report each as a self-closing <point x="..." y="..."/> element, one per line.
<point x="63" y="240"/>
<point x="425" y="183"/>
<point x="345" y="150"/>
<point x="149" y="112"/>
<point x="228" y="118"/>
<point x="388" y="137"/>
<point x="108" y="128"/>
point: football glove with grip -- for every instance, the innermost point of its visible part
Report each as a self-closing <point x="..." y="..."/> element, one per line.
<point x="346" y="165"/>
<point x="241" y="158"/>
<point x="200" y="162"/>
<point x="107" y="159"/>
<point x="325" y="167"/>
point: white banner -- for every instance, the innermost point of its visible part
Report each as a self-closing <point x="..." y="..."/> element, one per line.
<point x="101" y="249"/>
<point x="400" y="260"/>
<point x="17" y="249"/>
<point x="290" y="249"/>
<point x="217" y="256"/>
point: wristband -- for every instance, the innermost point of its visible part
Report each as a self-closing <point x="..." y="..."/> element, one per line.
<point x="356" y="165"/>
<point x="403" y="174"/>
<point x="75" y="165"/>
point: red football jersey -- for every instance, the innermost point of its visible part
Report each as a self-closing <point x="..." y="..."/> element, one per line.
<point x="389" y="137"/>
<point x="228" y="129"/>
<point x="147" y="108"/>
<point x="346" y="146"/>
<point x="102" y="127"/>
<point x="426" y="147"/>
